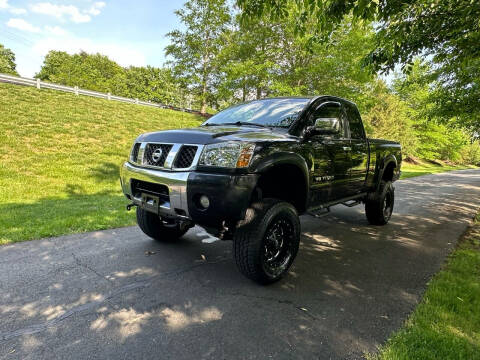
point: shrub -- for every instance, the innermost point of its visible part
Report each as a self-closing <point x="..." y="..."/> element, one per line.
<point x="470" y="153"/>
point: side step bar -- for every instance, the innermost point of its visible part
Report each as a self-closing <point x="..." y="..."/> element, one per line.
<point x="349" y="201"/>
<point x="320" y="213"/>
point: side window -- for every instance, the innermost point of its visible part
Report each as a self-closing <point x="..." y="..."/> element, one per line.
<point x="331" y="111"/>
<point x="355" y="123"/>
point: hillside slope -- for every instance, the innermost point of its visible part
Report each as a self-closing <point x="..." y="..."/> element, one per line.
<point x="59" y="160"/>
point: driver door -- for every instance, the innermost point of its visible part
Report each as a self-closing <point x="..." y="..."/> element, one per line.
<point x="332" y="162"/>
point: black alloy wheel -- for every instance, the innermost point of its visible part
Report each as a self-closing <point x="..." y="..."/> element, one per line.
<point x="379" y="204"/>
<point x="278" y="246"/>
<point x="266" y="242"/>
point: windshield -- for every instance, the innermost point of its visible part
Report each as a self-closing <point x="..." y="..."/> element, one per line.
<point x="268" y="112"/>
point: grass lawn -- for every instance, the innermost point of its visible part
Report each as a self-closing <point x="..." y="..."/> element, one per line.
<point x="425" y="168"/>
<point x="60" y="157"/>
<point x="446" y="324"/>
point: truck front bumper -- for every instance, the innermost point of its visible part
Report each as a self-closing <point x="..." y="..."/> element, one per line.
<point x="175" y="194"/>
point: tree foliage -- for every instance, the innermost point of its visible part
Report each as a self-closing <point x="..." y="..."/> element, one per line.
<point x="405" y="28"/>
<point x="389" y="118"/>
<point x="153" y="84"/>
<point x="7" y="61"/>
<point x="195" y="49"/>
<point x="99" y="73"/>
<point x="470" y="154"/>
<point x="89" y="71"/>
<point x="248" y="61"/>
<point x="448" y="31"/>
<point x="438" y="138"/>
<point x="268" y="59"/>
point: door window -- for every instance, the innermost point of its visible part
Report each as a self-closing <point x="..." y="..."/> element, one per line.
<point x="355" y="123"/>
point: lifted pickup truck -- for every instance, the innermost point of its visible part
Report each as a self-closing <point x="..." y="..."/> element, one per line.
<point x="248" y="172"/>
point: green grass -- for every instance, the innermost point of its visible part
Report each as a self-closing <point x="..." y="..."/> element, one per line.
<point x="426" y="168"/>
<point x="60" y="157"/>
<point x="446" y="324"/>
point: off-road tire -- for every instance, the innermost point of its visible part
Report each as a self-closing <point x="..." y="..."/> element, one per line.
<point x="152" y="226"/>
<point x="250" y="243"/>
<point x="379" y="204"/>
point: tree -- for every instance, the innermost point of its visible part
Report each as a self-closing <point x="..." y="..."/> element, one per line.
<point x="446" y="30"/>
<point x="270" y="59"/>
<point x="405" y="28"/>
<point x="248" y="61"/>
<point x="7" y="61"/>
<point x="388" y="119"/>
<point x="195" y="49"/>
<point x="97" y="72"/>
<point x="312" y="69"/>
<point x="152" y="84"/>
<point x="439" y="137"/>
<point x="89" y="71"/>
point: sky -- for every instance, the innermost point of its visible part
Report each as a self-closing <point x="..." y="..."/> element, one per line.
<point x="128" y="32"/>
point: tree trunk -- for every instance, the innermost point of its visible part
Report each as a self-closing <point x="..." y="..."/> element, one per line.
<point x="203" y="110"/>
<point x="259" y="92"/>
<point x="244" y="90"/>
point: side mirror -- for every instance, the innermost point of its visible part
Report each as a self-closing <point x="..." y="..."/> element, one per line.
<point x="327" y="126"/>
<point x="324" y="126"/>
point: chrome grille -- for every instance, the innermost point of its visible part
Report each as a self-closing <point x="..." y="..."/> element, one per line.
<point x="172" y="157"/>
<point x="134" y="155"/>
<point x="155" y="154"/>
<point x="185" y="157"/>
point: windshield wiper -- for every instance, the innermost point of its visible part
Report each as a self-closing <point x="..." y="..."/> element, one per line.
<point x="238" y="123"/>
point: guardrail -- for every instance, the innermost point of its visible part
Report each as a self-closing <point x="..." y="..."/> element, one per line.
<point x="77" y="91"/>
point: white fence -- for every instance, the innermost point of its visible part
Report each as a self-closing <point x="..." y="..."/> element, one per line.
<point x="77" y="91"/>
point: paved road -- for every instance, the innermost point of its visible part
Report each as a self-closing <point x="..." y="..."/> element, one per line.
<point x="103" y="295"/>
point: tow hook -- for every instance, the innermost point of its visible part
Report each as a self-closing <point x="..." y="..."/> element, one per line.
<point x="129" y="206"/>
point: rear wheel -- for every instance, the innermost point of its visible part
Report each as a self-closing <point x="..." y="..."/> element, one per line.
<point x="379" y="205"/>
<point x="153" y="226"/>
<point x="266" y="242"/>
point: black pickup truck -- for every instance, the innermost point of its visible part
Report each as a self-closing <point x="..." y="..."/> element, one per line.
<point x="248" y="172"/>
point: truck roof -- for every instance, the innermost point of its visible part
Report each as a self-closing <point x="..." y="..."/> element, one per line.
<point x="310" y="97"/>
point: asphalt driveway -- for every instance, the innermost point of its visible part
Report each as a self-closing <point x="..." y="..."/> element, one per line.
<point x="118" y="294"/>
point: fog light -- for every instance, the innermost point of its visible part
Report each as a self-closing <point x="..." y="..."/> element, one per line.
<point x="204" y="201"/>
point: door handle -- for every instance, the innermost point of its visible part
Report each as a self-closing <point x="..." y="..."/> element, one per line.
<point x="347" y="148"/>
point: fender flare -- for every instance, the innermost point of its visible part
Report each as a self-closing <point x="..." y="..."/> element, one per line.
<point x="285" y="158"/>
<point x="386" y="161"/>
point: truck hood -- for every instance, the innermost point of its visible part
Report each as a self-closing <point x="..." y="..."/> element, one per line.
<point x="214" y="134"/>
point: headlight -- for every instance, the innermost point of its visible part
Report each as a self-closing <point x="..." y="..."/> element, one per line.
<point x="232" y="154"/>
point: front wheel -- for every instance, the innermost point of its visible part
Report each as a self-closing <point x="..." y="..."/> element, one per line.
<point x="153" y="226"/>
<point x="379" y="205"/>
<point x="266" y="242"/>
